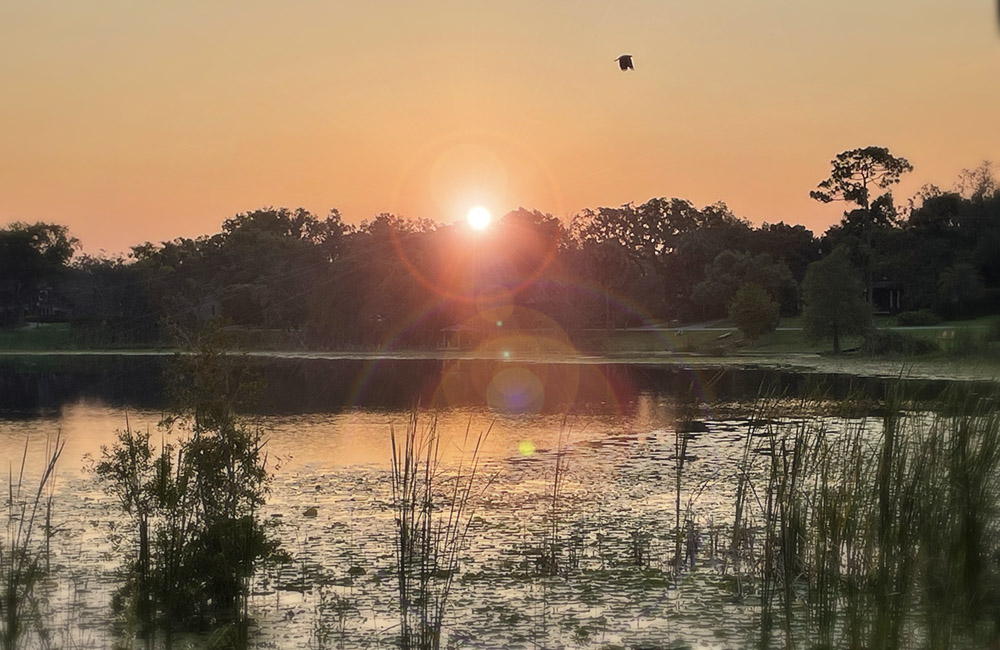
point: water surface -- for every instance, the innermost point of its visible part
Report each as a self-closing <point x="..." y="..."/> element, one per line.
<point x="328" y="425"/>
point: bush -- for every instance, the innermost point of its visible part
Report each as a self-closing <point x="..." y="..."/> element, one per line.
<point x="886" y="342"/>
<point x="967" y="343"/>
<point x="196" y="536"/>
<point x="920" y="318"/>
<point x="994" y="332"/>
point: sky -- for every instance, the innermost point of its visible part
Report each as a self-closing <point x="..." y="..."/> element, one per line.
<point x="144" y="121"/>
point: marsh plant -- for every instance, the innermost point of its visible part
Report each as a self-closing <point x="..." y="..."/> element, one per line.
<point x="880" y="534"/>
<point x="23" y="554"/>
<point x="550" y="555"/>
<point x="433" y="511"/>
<point x="193" y="500"/>
<point x="334" y="612"/>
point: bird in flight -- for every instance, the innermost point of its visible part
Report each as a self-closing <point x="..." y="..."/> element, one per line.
<point x="625" y="62"/>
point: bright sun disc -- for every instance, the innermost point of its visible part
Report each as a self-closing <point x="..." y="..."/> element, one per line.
<point x="479" y="217"/>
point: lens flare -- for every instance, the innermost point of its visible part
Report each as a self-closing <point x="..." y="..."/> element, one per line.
<point x="516" y="390"/>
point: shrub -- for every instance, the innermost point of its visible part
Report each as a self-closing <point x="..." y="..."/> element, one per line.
<point x="886" y="342"/>
<point x="194" y="504"/>
<point x="920" y="318"/>
<point x="967" y="343"/>
<point x="994" y="332"/>
<point x="753" y="311"/>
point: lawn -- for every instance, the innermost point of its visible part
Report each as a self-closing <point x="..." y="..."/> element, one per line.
<point x="38" y="336"/>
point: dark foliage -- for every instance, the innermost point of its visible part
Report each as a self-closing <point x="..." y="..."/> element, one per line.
<point x="32" y="257"/>
<point x="919" y="318"/>
<point x="288" y="278"/>
<point x="834" y="300"/>
<point x="194" y="505"/>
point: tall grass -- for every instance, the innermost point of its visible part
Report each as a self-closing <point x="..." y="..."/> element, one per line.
<point x="23" y="557"/>
<point x="434" y="509"/>
<point x="880" y="532"/>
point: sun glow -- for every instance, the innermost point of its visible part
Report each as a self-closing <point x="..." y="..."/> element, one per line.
<point x="479" y="217"/>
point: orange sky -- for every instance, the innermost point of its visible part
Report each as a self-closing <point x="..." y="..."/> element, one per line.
<point x="136" y="121"/>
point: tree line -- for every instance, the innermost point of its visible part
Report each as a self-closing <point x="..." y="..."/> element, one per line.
<point x="405" y="281"/>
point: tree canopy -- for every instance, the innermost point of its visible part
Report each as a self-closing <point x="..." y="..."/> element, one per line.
<point x="31" y="255"/>
<point x="854" y="173"/>
<point x="309" y="280"/>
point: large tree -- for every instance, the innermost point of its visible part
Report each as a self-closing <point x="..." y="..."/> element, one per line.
<point x="959" y="286"/>
<point x="833" y="296"/>
<point x="31" y="255"/>
<point x="854" y="175"/>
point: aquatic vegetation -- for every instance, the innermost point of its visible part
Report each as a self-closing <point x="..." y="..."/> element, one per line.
<point x="884" y="532"/>
<point x="23" y="557"/>
<point x="196" y="535"/>
<point x="433" y="518"/>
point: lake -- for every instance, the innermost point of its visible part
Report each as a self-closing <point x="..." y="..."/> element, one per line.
<point x="621" y="435"/>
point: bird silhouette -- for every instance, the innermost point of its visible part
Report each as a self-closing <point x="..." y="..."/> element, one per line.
<point x="625" y="62"/>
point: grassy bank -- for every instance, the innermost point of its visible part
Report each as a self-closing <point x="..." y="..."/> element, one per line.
<point x="974" y="341"/>
<point x="973" y="338"/>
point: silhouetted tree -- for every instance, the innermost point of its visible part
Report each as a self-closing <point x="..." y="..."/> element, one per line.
<point x="959" y="286"/>
<point x="795" y="245"/>
<point x="110" y="303"/>
<point x="853" y="176"/>
<point x="31" y="255"/>
<point x="833" y="297"/>
<point x="854" y="173"/>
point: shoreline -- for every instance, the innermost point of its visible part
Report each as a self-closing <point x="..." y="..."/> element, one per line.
<point x="808" y="363"/>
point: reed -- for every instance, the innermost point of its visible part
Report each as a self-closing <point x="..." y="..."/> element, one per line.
<point x="433" y="511"/>
<point x="878" y="531"/>
<point x="23" y="558"/>
<point x="550" y="558"/>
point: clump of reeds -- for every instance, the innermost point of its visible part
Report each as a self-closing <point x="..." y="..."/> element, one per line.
<point x="879" y="531"/>
<point x="434" y="510"/>
<point x="23" y="557"/>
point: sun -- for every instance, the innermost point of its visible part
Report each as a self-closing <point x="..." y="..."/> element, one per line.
<point x="478" y="217"/>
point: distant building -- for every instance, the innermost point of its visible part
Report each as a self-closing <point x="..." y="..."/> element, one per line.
<point x="887" y="297"/>
<point x="460" y="337"/>
<point x="47" y="308"/>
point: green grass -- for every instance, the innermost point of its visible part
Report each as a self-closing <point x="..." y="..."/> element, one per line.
<point x="62" y="336"/>
<point x="955" y="338"/>
<point x="720" y="340"/>
<point x="44" y="336"/>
